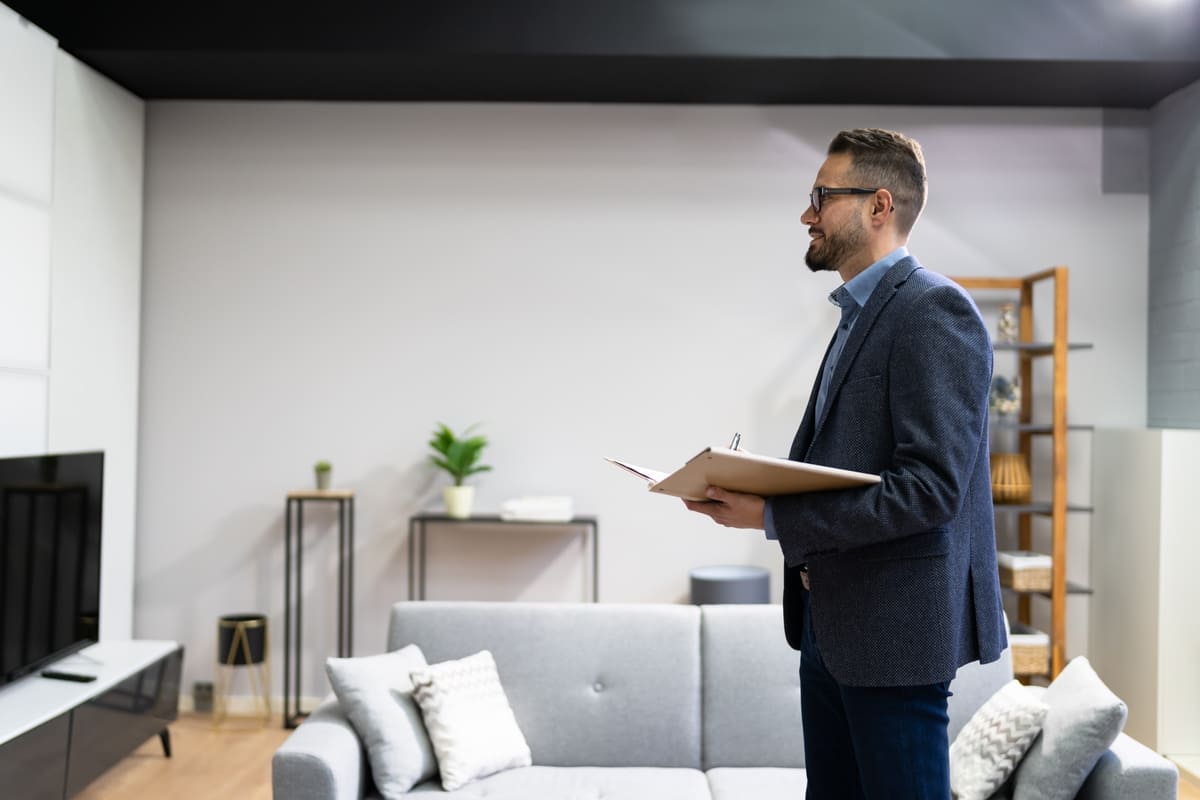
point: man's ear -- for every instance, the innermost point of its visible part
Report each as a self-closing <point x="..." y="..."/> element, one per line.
<point x="882" y="206"/>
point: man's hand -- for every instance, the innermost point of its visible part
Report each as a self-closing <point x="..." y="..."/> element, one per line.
<point x="731" y="509"/>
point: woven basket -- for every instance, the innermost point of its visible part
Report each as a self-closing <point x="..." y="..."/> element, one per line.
<point x="1025" y="571"/>
<point x="1030" y="650"/>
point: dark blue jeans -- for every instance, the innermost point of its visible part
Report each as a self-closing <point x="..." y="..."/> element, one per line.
<point x="871" y="743"/>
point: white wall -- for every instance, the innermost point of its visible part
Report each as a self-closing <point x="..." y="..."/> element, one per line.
<point x="71" y="158"/>
<point x="96" y="243"/>
<point x="26" y="136"/>
<point x="329" y="281"/>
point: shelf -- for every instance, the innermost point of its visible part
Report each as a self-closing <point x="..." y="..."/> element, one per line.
<point x="1038" y="348"/>
<point x="1035" y="427"/>
<point x="1044" y="415"/>
<point x="1039" y="508"/>
<point x="1072" y="588"/>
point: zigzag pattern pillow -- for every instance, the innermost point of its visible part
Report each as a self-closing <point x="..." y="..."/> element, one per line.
<point x="988" y="749"/>
<point x="470" y="723"/>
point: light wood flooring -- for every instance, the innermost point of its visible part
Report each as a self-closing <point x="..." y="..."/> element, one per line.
<point x="231" y="761"/>
<point x="1189" y="786"/>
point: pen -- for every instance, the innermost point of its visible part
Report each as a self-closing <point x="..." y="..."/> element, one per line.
<point x="737" y="439"/>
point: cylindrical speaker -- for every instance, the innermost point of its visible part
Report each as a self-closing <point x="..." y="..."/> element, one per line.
<point x="730" y="584"/>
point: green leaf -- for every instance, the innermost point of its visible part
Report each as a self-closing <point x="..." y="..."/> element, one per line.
<point x="457" y="455"/>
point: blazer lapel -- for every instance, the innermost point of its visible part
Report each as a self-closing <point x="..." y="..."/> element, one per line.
<point x="892" y="280"/>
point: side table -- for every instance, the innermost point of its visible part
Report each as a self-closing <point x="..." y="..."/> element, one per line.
<point x="418" y="524"/>
<point x="292" y="533"/>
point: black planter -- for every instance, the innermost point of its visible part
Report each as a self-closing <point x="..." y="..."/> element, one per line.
<point x="238" y="632"/>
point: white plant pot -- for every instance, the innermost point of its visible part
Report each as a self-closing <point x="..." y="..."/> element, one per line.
<point x="459" y="500"/>
<point x="323" y="477"/>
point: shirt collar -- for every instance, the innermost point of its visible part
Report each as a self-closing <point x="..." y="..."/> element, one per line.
<point x="860" y="287"/>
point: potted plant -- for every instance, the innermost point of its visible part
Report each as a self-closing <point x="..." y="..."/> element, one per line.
<point x="459" y="455"/>
<point x="323" y="470"/>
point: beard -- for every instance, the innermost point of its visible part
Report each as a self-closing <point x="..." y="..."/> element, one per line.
<point x="835" y="247"/>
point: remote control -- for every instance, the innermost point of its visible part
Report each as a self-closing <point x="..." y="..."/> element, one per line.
<point x="67" y="676"/>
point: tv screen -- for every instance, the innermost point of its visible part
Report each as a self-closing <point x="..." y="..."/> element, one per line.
<point x="50" y="507"/>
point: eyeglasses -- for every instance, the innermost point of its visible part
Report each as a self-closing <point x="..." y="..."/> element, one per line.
<point x="821" y="192"/>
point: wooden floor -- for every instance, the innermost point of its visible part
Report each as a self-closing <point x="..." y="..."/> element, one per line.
<point x="1189" y="786"/>
<point x="230" y="762"/>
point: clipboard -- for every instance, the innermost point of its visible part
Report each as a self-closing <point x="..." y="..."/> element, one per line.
<point x="739" y="471"/>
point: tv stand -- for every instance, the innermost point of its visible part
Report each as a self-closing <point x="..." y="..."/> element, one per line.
<point x="57" y="736"/>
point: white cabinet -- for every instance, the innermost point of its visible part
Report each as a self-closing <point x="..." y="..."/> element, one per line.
<point x="57" y="736"/>
<point x="1145" y="632"/>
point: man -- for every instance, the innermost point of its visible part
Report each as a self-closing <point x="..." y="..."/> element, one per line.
<point x="889" y="588"/>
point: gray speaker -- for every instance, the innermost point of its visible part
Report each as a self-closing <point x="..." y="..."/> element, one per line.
<point x="730" y="584"/>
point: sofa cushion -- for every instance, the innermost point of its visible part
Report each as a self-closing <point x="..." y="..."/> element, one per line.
<point x="973" y="684"/>
<point x="582" y="783"/>
<point x="626" y="677"/>
<point x="751" y="688"/>
<point x="376" y="694"/>
<point x="988" y="749"/>
<point x="470" y="723"/>
<point x="760" y="783"/>
<point x="1083" y="719"/>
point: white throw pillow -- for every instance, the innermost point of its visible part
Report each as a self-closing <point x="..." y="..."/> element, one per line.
<point x="470" y="723"/>
<point x="376" y="694"/>
<point x="991" y="744"/>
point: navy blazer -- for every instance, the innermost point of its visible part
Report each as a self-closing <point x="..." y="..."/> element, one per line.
<point x="904" y="585"/>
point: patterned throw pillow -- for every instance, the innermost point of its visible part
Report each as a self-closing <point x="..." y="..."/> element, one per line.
<point x="989" y="747"/>
<point x="470" y="723"/>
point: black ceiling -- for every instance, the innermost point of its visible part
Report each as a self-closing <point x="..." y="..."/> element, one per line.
<point x="1103" y="53"/>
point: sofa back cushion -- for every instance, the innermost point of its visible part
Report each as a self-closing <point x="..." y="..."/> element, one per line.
<point x="973" y="686"/>
<point x="751" y="689"/>
<point x="590" y="685"/>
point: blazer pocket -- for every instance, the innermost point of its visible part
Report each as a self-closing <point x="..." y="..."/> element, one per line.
<point x="923" y="545"/>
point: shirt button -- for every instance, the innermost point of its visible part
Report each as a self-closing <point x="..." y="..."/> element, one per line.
<point x="598" y="686"/>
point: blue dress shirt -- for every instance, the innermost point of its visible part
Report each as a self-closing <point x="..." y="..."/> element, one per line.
<point x="851" y="296"/>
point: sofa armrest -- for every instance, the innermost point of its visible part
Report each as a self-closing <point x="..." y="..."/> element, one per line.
<point x="1129" y="770"/>
<point x="323" y="759"/>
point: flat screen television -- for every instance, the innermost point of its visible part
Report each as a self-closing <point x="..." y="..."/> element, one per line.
<point x="50" y="511"/>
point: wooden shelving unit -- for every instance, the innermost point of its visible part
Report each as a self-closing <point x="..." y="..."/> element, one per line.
<point x="1029" y="350"/>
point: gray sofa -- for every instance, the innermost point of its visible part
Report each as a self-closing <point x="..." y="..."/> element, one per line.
<point x="629" y="702"/>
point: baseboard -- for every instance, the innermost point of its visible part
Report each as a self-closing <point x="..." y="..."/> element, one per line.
<point x="248" y="705"/>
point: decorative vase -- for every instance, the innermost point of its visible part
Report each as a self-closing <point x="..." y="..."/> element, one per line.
<point x="1007" y="325"/>
<point x="1011" y="482"/>
<point x="323" y="476"/>
<point x="459" y="500"/>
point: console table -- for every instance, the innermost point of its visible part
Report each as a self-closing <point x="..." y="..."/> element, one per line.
<point x="293" y="537"/>
<point x="419" y="524"/>
<point x="58" y="736"/>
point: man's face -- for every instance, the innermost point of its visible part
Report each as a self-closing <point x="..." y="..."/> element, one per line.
<point x="837" y="231"/>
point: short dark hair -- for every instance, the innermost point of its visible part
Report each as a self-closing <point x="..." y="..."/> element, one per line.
<point x="891" y="161"/>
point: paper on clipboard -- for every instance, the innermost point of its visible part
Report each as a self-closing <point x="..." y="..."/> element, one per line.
<point x="739" y="471"/>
